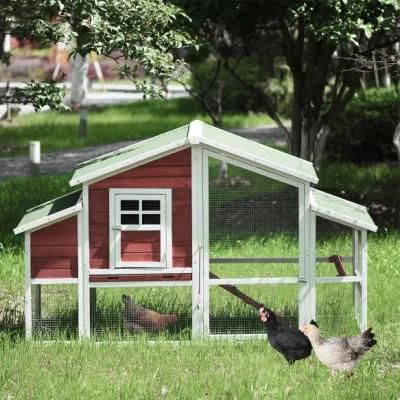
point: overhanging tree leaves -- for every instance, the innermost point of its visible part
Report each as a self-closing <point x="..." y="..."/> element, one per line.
<point x="309" y="35"/>
<point x="142" y="30"/>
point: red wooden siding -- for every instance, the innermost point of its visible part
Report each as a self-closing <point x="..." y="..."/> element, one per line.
<point x="140" y="246"/>
<point x="173" y="172"/>
<point x="54" y="250"/>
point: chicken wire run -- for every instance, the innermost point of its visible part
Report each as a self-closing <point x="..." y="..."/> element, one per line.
<point x="54" y="311"/>
<point x="127" y="313"/>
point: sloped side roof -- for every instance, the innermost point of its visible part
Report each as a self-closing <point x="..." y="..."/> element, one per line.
<point x="341" y="210"/>
<point x="50" y="211"/>
<point x="195" y="133"/>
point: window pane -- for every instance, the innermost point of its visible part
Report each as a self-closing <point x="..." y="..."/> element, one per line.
<point x="129" y="205"/>
<point x="129" y="219"/>
<point x="151" y="205"/>
<point x="151" y="219"/>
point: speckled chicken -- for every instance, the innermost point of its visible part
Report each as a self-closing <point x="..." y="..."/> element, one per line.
<point x="339" y="353"/>
<point x="138" y="319"/>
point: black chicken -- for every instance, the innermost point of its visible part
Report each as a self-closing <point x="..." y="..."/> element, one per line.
<point x="290" y="342"/>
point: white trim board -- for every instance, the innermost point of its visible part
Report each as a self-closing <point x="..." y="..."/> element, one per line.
<point x="54" y="281"/>
<point x="164" y="196"/>
<point x="139" y="284"/>
<point x="139" y="271"/>
<point x="253" y="281"/>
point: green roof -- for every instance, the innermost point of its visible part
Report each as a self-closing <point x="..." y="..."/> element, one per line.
<point x="195" y="133"/>
<point x="244" y="148"/>
<point x="128" y="155"/>
<point x="50" y="211"/>
<point x="344" y="211"/>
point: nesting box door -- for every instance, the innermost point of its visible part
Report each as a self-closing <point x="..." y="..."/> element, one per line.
<point x="140" y="228"/>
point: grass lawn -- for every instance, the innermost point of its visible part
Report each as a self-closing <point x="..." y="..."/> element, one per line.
<point x="209" y="369"/>
<point x="107" y="125"/>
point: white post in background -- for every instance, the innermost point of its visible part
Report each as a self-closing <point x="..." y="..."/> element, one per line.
<point x="34" y="157"/>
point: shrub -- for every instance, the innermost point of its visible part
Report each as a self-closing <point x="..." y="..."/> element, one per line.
<point x="364" y="132"/>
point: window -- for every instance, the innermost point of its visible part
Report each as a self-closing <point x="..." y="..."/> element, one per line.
<point x="140" y="228"/>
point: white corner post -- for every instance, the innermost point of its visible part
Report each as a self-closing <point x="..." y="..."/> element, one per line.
<point x="83" y="266"/>
<point x="28" y="287"/>
<point x="307" y="290"/>
<point x="205" y="276"/>
<point x="197" y="242"/>
<point x="357" y="272"/>
<point x="364" y="280"/>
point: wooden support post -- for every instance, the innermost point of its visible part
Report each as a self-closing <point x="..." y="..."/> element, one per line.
<point x="197" y="242"/>
<point x="83" y="266"/>
<point x="364" y="279"/>
<point x="28" y="287"/>
<point x="307" y="289"/>
<point x="356" y="272"/>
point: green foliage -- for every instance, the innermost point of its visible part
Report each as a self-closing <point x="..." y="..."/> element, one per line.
<point x="364" y="132"/>
<point x="43" y="94"/>
<point x="342" y="21"/>
<point x="209" y="85"/>
<point x="144" y="30"/>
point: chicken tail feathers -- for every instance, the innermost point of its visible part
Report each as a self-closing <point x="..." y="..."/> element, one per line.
<point x="368" y="338"/>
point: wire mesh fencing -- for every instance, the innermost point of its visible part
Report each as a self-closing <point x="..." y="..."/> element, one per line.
<point x="131" y="313"/>
<point x="335" y="306"/>
<point x="231" y="316"/>
<point x="55" y="311"/>
<point x="254" y="218"/>
<point x="254" y="233"/>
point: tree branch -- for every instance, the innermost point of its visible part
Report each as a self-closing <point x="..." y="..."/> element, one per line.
<point x="263" y="98"/>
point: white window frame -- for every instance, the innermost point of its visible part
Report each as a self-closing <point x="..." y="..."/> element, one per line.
<point x="165" y="227"/>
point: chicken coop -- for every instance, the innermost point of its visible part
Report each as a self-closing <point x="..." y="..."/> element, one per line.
<point x="184" y="235"/>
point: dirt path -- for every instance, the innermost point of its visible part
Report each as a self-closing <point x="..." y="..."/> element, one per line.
<point x="65" y="161"/>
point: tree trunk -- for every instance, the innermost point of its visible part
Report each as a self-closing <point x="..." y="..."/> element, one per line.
<point x="79" y="87"/>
